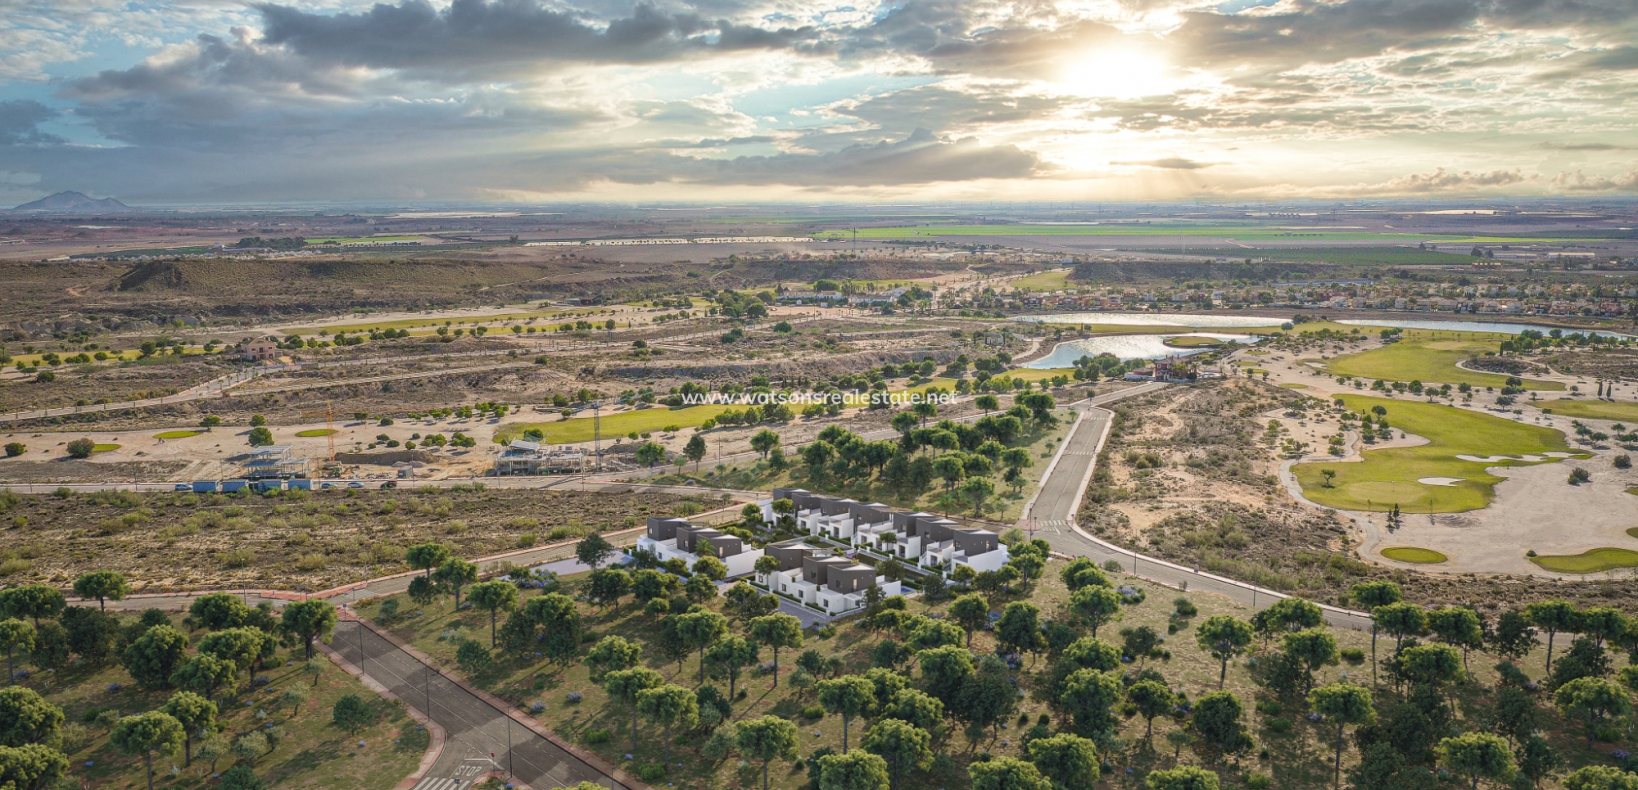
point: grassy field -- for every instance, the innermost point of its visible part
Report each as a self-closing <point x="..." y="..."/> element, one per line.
<point x="365" y="239"/>
<point x="580" y="429"/>
<point x="1194" y="342"/>
<point x="1389" y="477"/>
<point x="177" y="434"/>
<point x="314" y="755"/>
<point x="1430" y="357"/>
<point x="1239" y="232"/>
<point x="1294" y="386"/>
<point x="1050" y="280"/>
<point x="1591" y="561"/>
<point x="104" y="447"/>
<point x="316" y="432"/>
<point x="1592" y="409"/>
<point x="1414" y="554"/>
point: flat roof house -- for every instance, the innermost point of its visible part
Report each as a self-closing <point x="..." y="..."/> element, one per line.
<point x="822" y="578"/>
<point x="923" y="539"/>
<point x="676" y="538"/>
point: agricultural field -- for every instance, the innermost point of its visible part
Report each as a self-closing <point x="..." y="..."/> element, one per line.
<point x="1051" y="280"/>
<point x="1389" y="477"/>
<point x="1237" y="232"/>
<point x="1430" y="357"/>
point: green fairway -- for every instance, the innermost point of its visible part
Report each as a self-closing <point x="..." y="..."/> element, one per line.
<point x="1295" y="386"/>
<point x="104" y="448"/>
<point x="1592" y="561"/>
<point x="315" y="432"/>
<point x="1389" y="477"/>
<point x="1430" y="357"/>
<point x="1239" y="232"/>
<point x="1194" y="342"/>
<point x="1592" y="409"/>
<point x="579" y="429"/>
<point x="1044" y="281"/>
<point x="175" y="434"/>
<point x="1414" y="554"/>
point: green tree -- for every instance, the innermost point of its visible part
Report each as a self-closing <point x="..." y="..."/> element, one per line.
<point x="777" y="631"/>
<point x="1007" y="773"/>
<point x="196" y="714"/>
<point x="608" y="585"/>
<point x="1089" y="695"/>
<point x="104" y="586"/>
<point x="625" y="685"/>
<point x="860" y="770"/>
<point x="669" y="706"/>
<point x="700" y="630"/>
<point x="977" y="491"/>
<point x="1601" y="777"/>
<point x="710" y="568"/>
<point x="294" y="696"/>
<point x="1342" y="704"/>
<point x="81" y="448"/>
<point x="142" y="735"/>
<point x="314" y="618"/>
<point x="1150" y="698"/>
<point x="1477" y="755"/>
<point x="915" y="707"/>
<point x="1538" y="759"/>
<point x="594" y="550"/>
<point x="556" y="615"/>
<point x="612" y="654"/>
<point x="1373" y="595"/>
<point x="1552" y="616"/>
<point x="155" y="655"/>
<point x="901" y="744"/>
<point x="1216" y="721"/>
<point x="1401" y="619"/>
<point x="1592" y="699"/>
<point x="25" y="718"/>
<point x="849" y="696"/>
<point x="695" y="449"/>
<point x="426" y="556"/>
<point x="1019" y="628"/>
<point x="204" y="674"/>
<point x="1224" y="637"/>
<point x="1069" y="761"/>
<point x="351" y="713"/>
<point x="1183" y="777"/>
<point x="33" y="601"/>
<point x="649" y="454"/>
<point x="1314" y="648"/>
<point x="1458" y="626"/>
<point x="217" y="611"/>
<point x="15" y="635"/>
<point x="31" y="767"/>
<point x="245" y="647"/>
<point x="767" y="739"/>
<point x="1095" y="604"/>
<point x="732" y="654"/>
<point x="423" y="590"/>
<point x="242" y="777"/>
<point x="260" y="436"/>
<point x="945" y="669"/>
<point x="971" y="612"/>
<point x="456" y="573"/>
<point x="493" y="597"/>
<point x="763" y="442"/>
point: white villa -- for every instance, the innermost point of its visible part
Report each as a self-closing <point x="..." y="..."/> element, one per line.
<point x="822" y="578"/>
<point x="675" y="538"/>
<point x="928" y="541"/>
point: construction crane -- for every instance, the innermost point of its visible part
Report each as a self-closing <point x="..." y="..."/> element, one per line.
<point x="329" y="416"/>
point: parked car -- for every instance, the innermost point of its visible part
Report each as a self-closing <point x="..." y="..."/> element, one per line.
<point x="355" y="484"/>
<point x="183" y="488"/>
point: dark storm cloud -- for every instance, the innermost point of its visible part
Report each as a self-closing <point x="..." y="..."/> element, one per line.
<point x="20" y="122"/>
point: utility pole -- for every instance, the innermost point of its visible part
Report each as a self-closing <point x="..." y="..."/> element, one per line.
<point x="597" y="432"/>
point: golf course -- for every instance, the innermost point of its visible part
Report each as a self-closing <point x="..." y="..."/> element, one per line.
<point x="1390" y="476"/>
<point x="1430" y="357"/>
<point x="1593" y="409"/>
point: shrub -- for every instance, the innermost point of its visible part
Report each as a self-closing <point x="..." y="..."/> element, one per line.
<point x="14" y="449"/>
<point x="1280" y="724"/>
<point x="1183" y="607"/>
<point x="1622" y="461"/>
<point x="813" y="712"/>
<point x="597" y="736"/>
<point x="650" y="772"/>
<point x="1257" y="781"/>
<point x="1352" y="655"/>
<point x="1579" y="475"/>
<point x="81" y="448"/>
<point x="1269" y="707"/>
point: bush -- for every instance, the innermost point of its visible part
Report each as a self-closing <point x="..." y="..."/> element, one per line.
<point x="1269" y="707"/>
<point x="650" y="772"/>
<point x="81" y="448"/>
<point x="1183" y="607"/>
<point x="1352" y="655"/>
<point x="1257" y="781"/>
<point x="1622" y="461"/>
<point x="1280" y="724"/>
<point x="1579" y="475"/>
<point x="813" y="712"/>
<point x="597" y="736"/>
<point x="14" y="449"/>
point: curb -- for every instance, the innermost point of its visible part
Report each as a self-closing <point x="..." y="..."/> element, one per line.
<point x="435" y="749"/>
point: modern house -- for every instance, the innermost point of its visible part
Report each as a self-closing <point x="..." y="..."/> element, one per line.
<point x="921" y="539"/>
<point x="822" y="578"/>
<point x="676" y="538"/>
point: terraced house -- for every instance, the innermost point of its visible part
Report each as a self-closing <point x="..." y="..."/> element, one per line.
<point x="922" y="539"/>
<point x="676" y="538"/>
<point x="822" y="578"/>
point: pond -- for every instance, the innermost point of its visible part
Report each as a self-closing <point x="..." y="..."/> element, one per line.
<point x="1189" y="320"/>
<point x="1125" y="347"/>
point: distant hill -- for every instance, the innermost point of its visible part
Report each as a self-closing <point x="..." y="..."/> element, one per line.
<point x="75" y="203"/>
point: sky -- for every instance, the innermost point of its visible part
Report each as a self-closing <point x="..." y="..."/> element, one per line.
<point x="229" y="102"/>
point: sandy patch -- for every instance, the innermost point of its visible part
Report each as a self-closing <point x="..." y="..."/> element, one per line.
<point x="1490" y="459"/>
<point x="1439" y="481"/>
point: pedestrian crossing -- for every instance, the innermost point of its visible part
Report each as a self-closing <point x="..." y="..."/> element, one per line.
<point x="463" y="776"/>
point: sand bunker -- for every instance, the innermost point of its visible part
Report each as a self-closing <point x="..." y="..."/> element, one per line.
<point x="1490" y="459"/>
<point x="1439" y="481"/>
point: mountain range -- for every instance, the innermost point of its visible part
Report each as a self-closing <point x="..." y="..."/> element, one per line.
<point x="75" y="203"/>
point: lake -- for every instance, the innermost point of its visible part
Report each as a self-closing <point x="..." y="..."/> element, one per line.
<point x="1125" y="347"/>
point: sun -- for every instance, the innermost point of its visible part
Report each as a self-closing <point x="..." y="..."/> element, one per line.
<point x="1122" y="72"/>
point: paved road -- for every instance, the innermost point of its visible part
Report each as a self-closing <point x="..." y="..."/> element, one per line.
<point x="1060" y="493"/>
<point x="474" y="729"/>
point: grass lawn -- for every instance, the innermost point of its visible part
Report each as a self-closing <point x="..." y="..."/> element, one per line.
<point x="1295" y="386"/>
<point x="1592" y="409"/>
<point x="177" y="434"/>
<point x="1429" y="356"/>
<point x="102" y="447"/>
<point x="579" y="429"/>
<point x="1248" y="232"/>
<point x="1389" y="476"/>
<point x="1591" y="561"/>
<point x="314" y="754"/>
<point x="1050" y="280"/>
<point x="1194" y="342"/>
<point x="315" y="432"/>
<point x="1414" y="554"/>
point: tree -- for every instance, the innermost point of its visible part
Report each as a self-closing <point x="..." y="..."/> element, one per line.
<point x="1020" y="628"/>
<point x="25" y="718"/>
<point x="1067" y="760"/>
<point x="352" y="714"/>
<point x="294" y="696"/>
<point x="1289" y="614"/>
<point x="103" y="586"/>
<point x="1224" y="637"/>
<point x="977" y="490"/>
<point x="1601" y="777"/>
<point x="732" y="654"/>
<point x="244" y="647"/>
<point x="914" y="707"/>
<point x="143" y="734"/>
<point x="1400" y="619"/>
<point x="50" y="650"/>
<point x="1183" y="777"/>
<point x="860" y="770"/>
<point x="763" y="442"/>
<point x="423" y="590"/>
<point x="1314" y="648"/>
<point x="988" y="403"/>
<point x="426" y="556"/>
<point x="493" y="597"/>
<point x="1459" y="626"/>
<point x="625" y="685"/>
<point x="1538" y="759"/>
<point x="456" y="573"/>
<point x="1216" y="721"/>
<point x="900" y="743"/>
<point x="1477" y="755"/>
<point x="1151" y="698"/>
<point x="607" y="585"/>
<point x="1551" y="616"/>
<point x="155" y="655"/>
<point x="217" y="611"/>
<point x="1513" y="637"/>
<point x="81" y="448"/>
<point x="307" y="620"/>
<point x="767" y="739"/>
<point x="1592" y="699"/>
<point x="971" y="612"/>
<point x="33" y="601"/>
<point x="204" y="674"/>
<point x="945" y="669"/>
<point x="1372" y="595"/>
<point x="1602" y="623"/>
<point x="649" y="454"/>
<point x="669" y="706"/>
<point x="31" y="767"/>
<point x="15" y="634"/>
<point x="612" y="654"/>
<point x="848" y="696"/>
<point x="1089" y="695"/>
<point x="556" y="615"/>
<point x="1096" y="605"/>
<point x="1344" y="704"/>
<point x="260" y="436"/>
<point x="473" y="657"/>
<point x="777" y="631"/>
<point x="1007" y="773"/>
<point x="241" y="777"/>
<point x="196" y="715"/>
<point x="710" y="568"/>
<point x="594" y="550"/>
<point x="700" y="630"/>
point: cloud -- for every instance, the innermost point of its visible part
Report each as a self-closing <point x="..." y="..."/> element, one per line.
<point x="1580" y="182"/>
<point x="920" y="158"/>
<point x="20" y="121"/>
<point x="1553" y="146"/>
<point x="1169" y="163"/>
